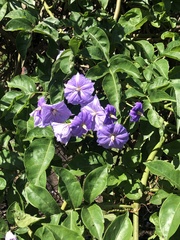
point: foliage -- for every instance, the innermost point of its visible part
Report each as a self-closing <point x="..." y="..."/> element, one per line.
<point x="131" y="53"/>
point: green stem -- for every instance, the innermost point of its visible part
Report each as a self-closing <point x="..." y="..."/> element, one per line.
<point x="144" y="180"/>
<point x="47" y="8"/>
<point x="117" y="10"/>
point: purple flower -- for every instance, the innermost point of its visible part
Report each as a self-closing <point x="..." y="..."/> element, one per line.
<point x="57" y="112"/>
<point x="44" y="114"/>
<point x="136" y="112"/>
<point x="97" y="112"/>
<point x="37" y="113"/>
<point x="81" y="124"/>
<point x="10" y="236"/>
<point x="62" y="131"/>
<point x="78" y="90"/>
<point x="112" y="136"/>
<point x="110" y="112"/>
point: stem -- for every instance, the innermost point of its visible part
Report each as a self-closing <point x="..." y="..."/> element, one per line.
<point x="64" y="205"/>
<point x="47" y="8"/>
<point x="144" y="180"/>
<point x="136" y="221"/>
<point x="151" y="158"/>
<point x="117" y="10"/>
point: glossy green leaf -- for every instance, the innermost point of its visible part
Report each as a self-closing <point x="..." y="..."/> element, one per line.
<point x="146" y="49"/>
<point x="95" y="183"/>
<point x="132" y="20"/>
<point x="100" y="40"/>
<point x="18" y="24"/>
<point x="3" y="228"/>
<point x="70" y="187"/>
<point x="41" y="199"/>
<point x="119" y="64"/>
<point x="66" y="61"/>
<point x="112" y="89"/>
<point x="176" y="85"/>
<point x="23" y="42"/>
<point x="2" y="183"/>
<point x="97" y="71"/>
<point x="23" y="219"/>
<point x="46" y="29"/>
<point x="154" y="118"/>
<point x="169" y="216"/>
<point x="37" y="159"/>
<point x="158" y="197"/>
<point x="93" y="219"/>
<point x="120" y="228"/>
<point x="62" y="233"/>
<point x="103" y="3"/>
<point x="37" y="132"/>
<point x="71" y="222"/>
<point x="22" y="14"/>
<point x="3" y="10"/>
<point x="74" y="44"/>
<point x="159" y="96"/>
<point x="24" y="83"/>
<point x="162" y="66"/>
<point x="166" y="170"/>
<point x="135" y="192"/>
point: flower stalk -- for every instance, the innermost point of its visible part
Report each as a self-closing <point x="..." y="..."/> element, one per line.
<point x="144" y="180"/>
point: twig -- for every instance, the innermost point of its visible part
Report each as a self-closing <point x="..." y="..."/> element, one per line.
<point x="117" y="10"/>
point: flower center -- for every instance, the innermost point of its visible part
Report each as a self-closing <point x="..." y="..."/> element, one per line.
<point x="78" y="89"/>
<point x="54" y="112"/>
<point x="112" y="138"/>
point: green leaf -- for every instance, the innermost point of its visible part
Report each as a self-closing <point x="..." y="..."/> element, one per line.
<point x="37" y="132"/>
<point x="3" y="10"/>
<point x="154" y="118"/>
<point x="23" y="42"/>
<point x="176" y="85"/>
<point x="112" y="89"/>
<point x="95" y="225"/>
<point x="100" y="40"/>
<point x="120" y="228"/>
<point x="3" y="228"/>
<point x="158" y="197"/>
<point x="2" y="183"/>
<point x="166" y="170"/>
<point x="119" y="64"/>
<point x="103" y="3"/>
<point x="71" y="222"/>
<point x="24" y="83"/>
<point x="46" y="29"/>
<point x="135" y="192"/>
<point x="146" y="49"/>
<point x="23" y="219"/>
<point x="62" y="233"/>
<point x="37" y="158"/>
<point x="18" y="24"/>
<point x="162" y="66"/>
<point x="97" y="71"/>
<point x="22" y="14"/>
<point x="159" y="96"/>
<point x="95" y="183"/>
<point x="74" y="44"/>
<point x="66" y="61"/>
<point x="169" y="216"/>
<point x="70" y="187"/>
<point x="41" y="199"/>
<point x="132" y="20"/>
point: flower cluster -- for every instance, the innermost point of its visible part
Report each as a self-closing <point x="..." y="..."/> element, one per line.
<point x="92" y="116"/>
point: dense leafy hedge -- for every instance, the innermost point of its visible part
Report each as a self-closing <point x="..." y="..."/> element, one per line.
<point x="130" y="50"/>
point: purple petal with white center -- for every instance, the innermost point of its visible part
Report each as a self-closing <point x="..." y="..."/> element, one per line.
<point x="112" y="136"/>
<point x="78" y="90"/>
<point x="62" y="132"/>
<point x="81" y="124"/>
<point x="136" y="112"/>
